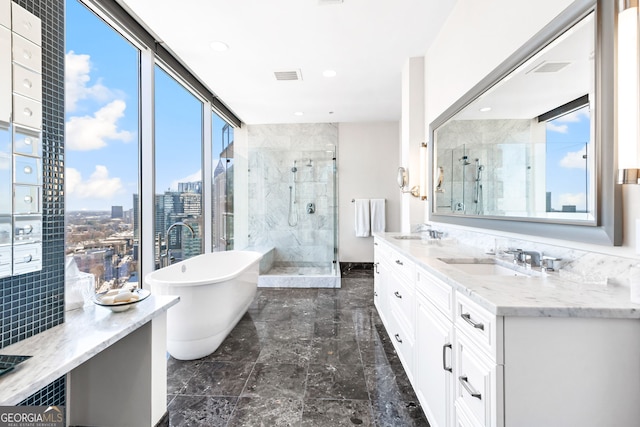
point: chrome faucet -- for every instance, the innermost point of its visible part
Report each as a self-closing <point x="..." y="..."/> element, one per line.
<point x="165" y="260"/>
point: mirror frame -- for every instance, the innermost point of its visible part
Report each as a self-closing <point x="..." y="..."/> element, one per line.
<point x="607" y="228"/>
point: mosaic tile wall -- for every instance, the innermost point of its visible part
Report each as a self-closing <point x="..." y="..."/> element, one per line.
<point x="34" y="302"/>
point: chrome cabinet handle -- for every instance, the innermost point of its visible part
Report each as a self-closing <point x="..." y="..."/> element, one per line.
<point x="467" y="386"/>
<point x="397" y="294"/>
<point x="469" y="320"/>
<point x="444" y="357"/>
<point x="375" y="266"/>
<point x="375" y="294"/>
<point x="397" y="337"/>
<point x="399" y="262"/>
<point x="375" y="243"/>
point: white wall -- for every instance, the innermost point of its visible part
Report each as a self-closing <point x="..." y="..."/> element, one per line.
<point x="477" y="37"/>
<point x="368" y="160"/>
<point x="412" y="134"/>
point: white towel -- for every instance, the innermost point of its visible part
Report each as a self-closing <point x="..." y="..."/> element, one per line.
<point x="378" y="222"/>
<point x="363" y="218"/>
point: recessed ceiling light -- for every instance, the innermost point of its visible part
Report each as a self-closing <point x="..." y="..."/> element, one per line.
<point x="219" y="46"/>
<point x="329" y="73"/>
<point x="485" y="109"/>
<point x="298" y="113"/>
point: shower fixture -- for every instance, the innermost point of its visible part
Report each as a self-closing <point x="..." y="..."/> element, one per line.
<point x="464" y="160"/>
<point x="309" y="163"/>
<point x="440" y="179"/>
<point x="478" y="187"/>
<point x="292" y="218"/>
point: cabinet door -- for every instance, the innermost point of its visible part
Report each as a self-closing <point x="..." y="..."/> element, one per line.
<point x="479" y="383"/>
<point x="5" y="77"/>
<point x="434" y="363"/>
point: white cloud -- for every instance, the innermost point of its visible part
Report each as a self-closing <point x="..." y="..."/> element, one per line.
<point x="552" y="127"/>
<point x="98" y="186"/>
<point x="574" y="160"/>
<point x="196" y="176"/>
<point x="574" y="116"/>
<point x="76" y="82"/>
<point x="568" y="199"/>
<point x="92" y="132"/>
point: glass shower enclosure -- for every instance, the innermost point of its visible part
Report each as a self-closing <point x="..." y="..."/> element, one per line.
<point x="293" y="215"/>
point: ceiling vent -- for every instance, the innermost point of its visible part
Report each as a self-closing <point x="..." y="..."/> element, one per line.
<point x="290" y="75"/>
<point x="550" y="67"/>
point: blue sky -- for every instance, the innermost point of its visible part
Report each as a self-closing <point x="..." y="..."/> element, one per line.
<point x="566" y="139"/>
<point x="101" y="141"/>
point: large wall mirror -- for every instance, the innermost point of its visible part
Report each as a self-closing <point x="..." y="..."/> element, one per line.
<point x="530" y="149"/>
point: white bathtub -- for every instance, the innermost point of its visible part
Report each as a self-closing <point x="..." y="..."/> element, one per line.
<point x="215" y="291"/>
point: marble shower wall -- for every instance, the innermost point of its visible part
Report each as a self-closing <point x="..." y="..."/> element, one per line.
<point x="504" y="148"/>
<point x="300" y="238"/>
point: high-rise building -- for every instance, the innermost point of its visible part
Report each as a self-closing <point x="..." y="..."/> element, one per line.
<point x="117" y="212"/>
<point x="136" y="218"/>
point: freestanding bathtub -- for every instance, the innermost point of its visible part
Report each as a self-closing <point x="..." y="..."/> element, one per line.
<point x="215" y="291"/>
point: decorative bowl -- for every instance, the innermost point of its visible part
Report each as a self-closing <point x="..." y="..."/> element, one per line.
<point x="116" y="307"/>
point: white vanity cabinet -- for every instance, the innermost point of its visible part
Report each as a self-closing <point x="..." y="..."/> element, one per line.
<point x="434" y="357"/>
<point x="395" y="285"/>
<point x="473" y="368"/>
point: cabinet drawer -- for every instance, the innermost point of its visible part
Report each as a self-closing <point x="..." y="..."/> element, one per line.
<point x="27" y="258"/>
<point x="477" y="390"/>
<point x="27" y="112"/>
<point x="5" y="230"/>
<point x="26" y="199"/>
<point x="439" y="293"/>
<point x="27" y="170"/>
<point x="26" y="24"/>
<point x="403" y="343"/>
<point x="484" y="328"/>
<point x="6" y="186"/>
<point x="5" y="76"/>
<point x="5" y="261"/>
<point x="28" y="143"/>
<point x="27" y="229"/>
<point x="5" y="13"/>
<point x="26" y="53"/>
<point x="402" y="266"/>
<point x="27" y="83"/>
<point x="402" y="299"/>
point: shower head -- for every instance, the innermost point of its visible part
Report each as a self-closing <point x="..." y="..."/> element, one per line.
<point x="464" y="160"/>
<point x="310" y="163"/>
<point x="481" y="167"/>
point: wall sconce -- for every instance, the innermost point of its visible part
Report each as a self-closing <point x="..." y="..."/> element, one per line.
<point x="423" y="171"/>
<point x="403" y="182"/>
<point x="628" y="93"/>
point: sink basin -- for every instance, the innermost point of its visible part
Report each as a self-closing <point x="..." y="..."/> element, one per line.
<point x="481" y="267"/>
<point x="407" y="237"/>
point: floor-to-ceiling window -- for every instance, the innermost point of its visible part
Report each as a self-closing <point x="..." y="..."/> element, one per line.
<point x="119" y="142"/>
<point x="101" y="151"/>
<point x="178" y="169"/>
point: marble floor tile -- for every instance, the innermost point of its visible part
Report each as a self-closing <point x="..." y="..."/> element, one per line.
<point x="296" y="352"/>
<point x="266" y="412"/>
<point x="385" y="383"/>
<point x="332" y="351"/>
<point x="179" y="372"/>
<point x="299" y="357"/>
<point x="276" y="381"/>
<point x="219" y="379"/>
<point x="200" y="411"/>
<point x="336" y="381"/>
<point x="397" y="413"/>
<point x="336" y="413"/>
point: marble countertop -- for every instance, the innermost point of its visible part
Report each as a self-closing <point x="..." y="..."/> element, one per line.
<point x="86" y="332"/>
<point x="540" y="295"/>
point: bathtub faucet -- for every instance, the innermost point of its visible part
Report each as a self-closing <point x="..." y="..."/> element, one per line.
<point x="165" y="260"/>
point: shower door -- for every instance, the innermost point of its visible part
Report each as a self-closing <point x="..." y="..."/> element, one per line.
<point x="222" y="185"/>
